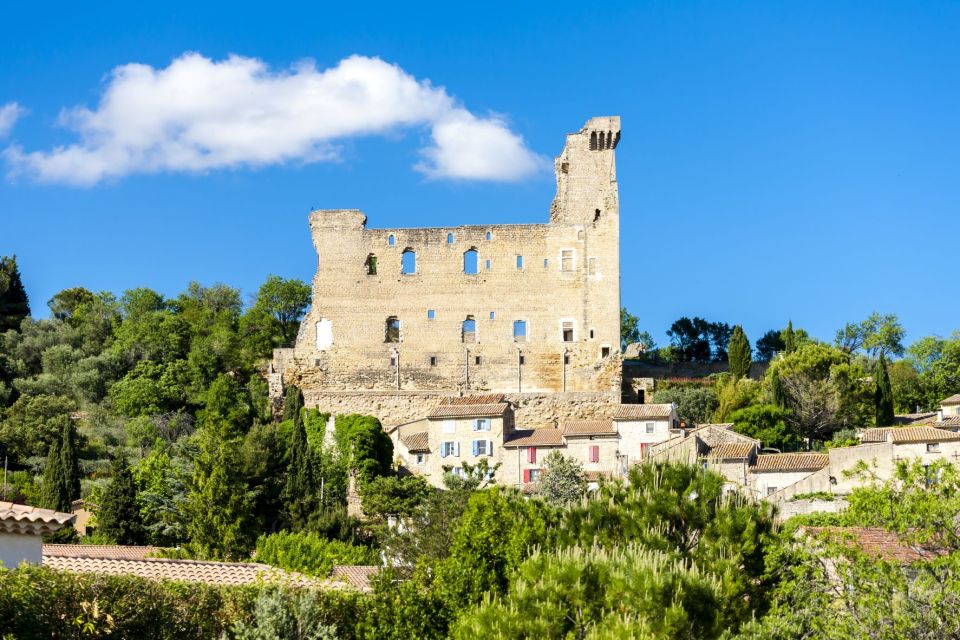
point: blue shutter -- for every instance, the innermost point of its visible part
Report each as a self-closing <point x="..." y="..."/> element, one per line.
<point x="475" y="443"/>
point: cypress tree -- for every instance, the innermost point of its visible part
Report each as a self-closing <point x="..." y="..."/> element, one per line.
<point x="300" y="493"/>
<point x="778" y="395"/>
<point x="69" y="460"/>
<point x="119" y="518"/>
<point x="883" y="397"/>
<point x="292" y="402"/>
<point x="738" y="353"/>
<point x="53" y="491"/>
<point x="14" y="306"/>
<point x="789" y="339"/>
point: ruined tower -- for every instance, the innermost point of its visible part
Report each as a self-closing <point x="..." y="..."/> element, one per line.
<point x="401" y="315"/>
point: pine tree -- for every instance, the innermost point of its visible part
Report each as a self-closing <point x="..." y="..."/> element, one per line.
<point x="738" y="353"/>
<point x="789" y="338"/>
<point x="119" y="517"/>
<point x="883" y="398"/>
<point x="14" y="306"/>
<point x="300" y="495"/>
<point x="292" y="402"/>
<point x="53" y="492"/>
<point x="69" y="460"/>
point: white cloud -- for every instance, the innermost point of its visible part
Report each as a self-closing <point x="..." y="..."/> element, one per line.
<point x="199" y="114"/>
<point x="9" y="114"/>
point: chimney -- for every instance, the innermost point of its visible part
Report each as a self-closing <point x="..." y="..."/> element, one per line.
<point x="940" y="414"/>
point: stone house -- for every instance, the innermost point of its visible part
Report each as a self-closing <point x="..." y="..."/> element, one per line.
<point x="772" y="472"/>
<point x="22" y="529"/>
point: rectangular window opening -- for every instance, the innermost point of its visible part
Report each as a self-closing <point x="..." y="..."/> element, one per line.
<point x="433" y="361"/>
<point x="431" y="314"/>
<point x="476" y="360"/>
<point x="487" y="265"/>
<point x="519" y="262"/>
<point x="605" y="352"/>
<point x="566" y="260"/>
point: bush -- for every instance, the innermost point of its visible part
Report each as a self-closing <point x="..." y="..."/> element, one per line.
<point x="310" y="554"/>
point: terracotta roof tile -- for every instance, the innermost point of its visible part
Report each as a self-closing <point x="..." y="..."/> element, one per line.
<point x="732" y="450"/>
<point x="21" y="518"/>
<point x="416" y="442"/>
<point x="906" y="435"/>
<point x="924" y="417"/>
<point x="876" y="543"/>
<point x="468" y="410"/>
<point x="535" y="438"/>
<point x="952" y="400"/>
<point x="641" y="411"/>
<point x="878" y="434"/>
<point x="948" y="423"/>
<point x="791" y="462"/>
<point x="493" y="398"/>
<point x="127" y="552"/>
<point x="217" y="573"/>
<point x="357" y="576"/>
<point x="588" y="428"/>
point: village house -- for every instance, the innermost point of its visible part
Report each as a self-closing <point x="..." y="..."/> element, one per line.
<point x="22" y="529"/>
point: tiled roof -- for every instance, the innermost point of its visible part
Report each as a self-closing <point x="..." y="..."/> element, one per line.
<point x="948" y="423"/>
<point x="99" y="551"/>
<point x="952" y="400"/>
<point x="20" y="518"/>
<point x="906" y="435"/>
<point x="924" y="417"/>
<point x="468" y="410"/>
<point x="535" y="438"/>
<point x="731" y="450"/>
<point x="218" y="573"/>
<point x="357" y="576"/>
<point x="876" y="543"/>
<point x="791" y="462"/>
<point x="492" y="398"/>
<point x="588" y="428"/>
<point x="878" y="434"/>
<point x="726" y="426"/>
<point x="641" y="411"/>
<point x="416" y="442"/>
<point x="596" y="476"/>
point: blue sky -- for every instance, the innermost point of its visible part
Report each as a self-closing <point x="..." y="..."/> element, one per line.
<point x="778" y="160"/>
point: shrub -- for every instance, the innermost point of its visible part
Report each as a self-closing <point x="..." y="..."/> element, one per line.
<point x="311" y="554"/>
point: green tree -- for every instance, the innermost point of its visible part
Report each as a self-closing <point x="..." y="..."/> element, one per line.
<point x="883" y="396"/>
<point x="65" y="303"/>
<point x="33" y="423"/>
<point x="14" y="306"/>
<point x="469" y="477"/>
<point x="301" y="495"/>
<point x="364" y="445"/>
<point x="769" y="344"/>
<point x="789" y="338"/>
<point x="54" y="488"/>
<point x="908" y="391"/>
<point x="219" y="504"/>
<point x="767" y="423"/>
<point x="285" y="300"/>
<point x="311" y="554"/>
<point x="281" y="613"/>
<point x="292" y="402"/>
<point x="69" y="460"/>
<point x="119" y="518"/>
<point x="879" y="334"/>
<point x="738" y="353"/>
<point x="629" y="328"/>
<point x="695" y="404"/>
<point x="562" y="480"/>
<point x="393" y="496"/>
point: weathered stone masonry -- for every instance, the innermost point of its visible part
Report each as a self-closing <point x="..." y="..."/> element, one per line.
<point x="401" y="318"/>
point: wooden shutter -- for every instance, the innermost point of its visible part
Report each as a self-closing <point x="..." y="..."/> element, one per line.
<point x="594" y="453"/>
<point x="526" y="475"/>
<point x="531" y="454"/>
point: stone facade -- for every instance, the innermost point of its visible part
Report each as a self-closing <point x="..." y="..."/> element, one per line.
<point x="402" y="318"/>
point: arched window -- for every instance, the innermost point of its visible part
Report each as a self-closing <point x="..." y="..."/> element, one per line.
<point x="391" y="240"/>
<point x="519" y="331"/>
<point x="470" y="261"/>
<point x="371" y="265"/>
<point x="408" y="261"/>
<point x="602" y="144"/>
<point x="593" y="141"/>
<point x="469" y="333"/>
<point x="449" y="238"/>
<point x="489" y="235"/>
<point x="392" y="330"/>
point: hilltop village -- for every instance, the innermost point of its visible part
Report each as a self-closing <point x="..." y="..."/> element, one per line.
<point x="461" y="432"/>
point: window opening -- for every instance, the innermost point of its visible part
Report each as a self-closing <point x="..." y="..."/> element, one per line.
<point x="546" y="262"/>
<point x="567" y="331"/>
<point x="449" y="238"/>
<point x="605" y="352"/>
<point x="492" y="315"/>
<point x="489" y="235"/>
<point x="469" y="333"/>
<point x="523" y="359"/>
<point x="371" y="265"/>
<point x="487" y="265"/>
<point x="433" y="361"/>
<point x="470" y="261"/>
<point x="431" y="314"/>
<point x="408" y="262"/>
<point x="520" y="331"/>
<point x="392" y="331"/>
<point x="391" y="240"/>
<point x="519" y="262"/>
<point x="649" y="427"/>
<point x="476" y="361"/>
<point x="566" y="260"/>
<point x="566" y="358"/>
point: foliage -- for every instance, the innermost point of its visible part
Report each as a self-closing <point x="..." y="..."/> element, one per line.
<point x="695" y="404"/>
<point x="468" y="476"/>
<point x="732" y="394"/>
<point x="310" y="553"/>
<point x="119" y="518"/>
<point x="284" y="614"/>
<point x="629" y="328"/>
<point x="562" y="480"/>
<point x="878" y="335"/>
<point x="55" y="493"/>
<point x="14" y="306"/>
<point x="766" y="423"/>
<point x="584" y="592"/>
<point x="33" y="423"/>
<point x="364" y="445"/>
<point x="301" y="494"/>
<point x="769" y="344"/>
<point x="937" y="362"/>
<point x="285" y="301"/>
<point x="738" y="353"/>
<point x="697" y="340"/>
<point x="393" y="496"/>
<point x="883" y="395"/>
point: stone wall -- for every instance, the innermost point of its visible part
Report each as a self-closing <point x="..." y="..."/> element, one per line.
<point x="564" y="274"/>
<point x="792" y="508"/>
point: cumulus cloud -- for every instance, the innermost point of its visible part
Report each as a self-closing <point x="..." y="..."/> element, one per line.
<point x="9" y="114"/>
<point x="199" y="114"/>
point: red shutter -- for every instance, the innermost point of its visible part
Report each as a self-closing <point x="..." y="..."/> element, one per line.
<point x="594" y="453"/>
<point x="643" y="450"/>
<point x="531" y="454"/>
<point x="526" y="475"/>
